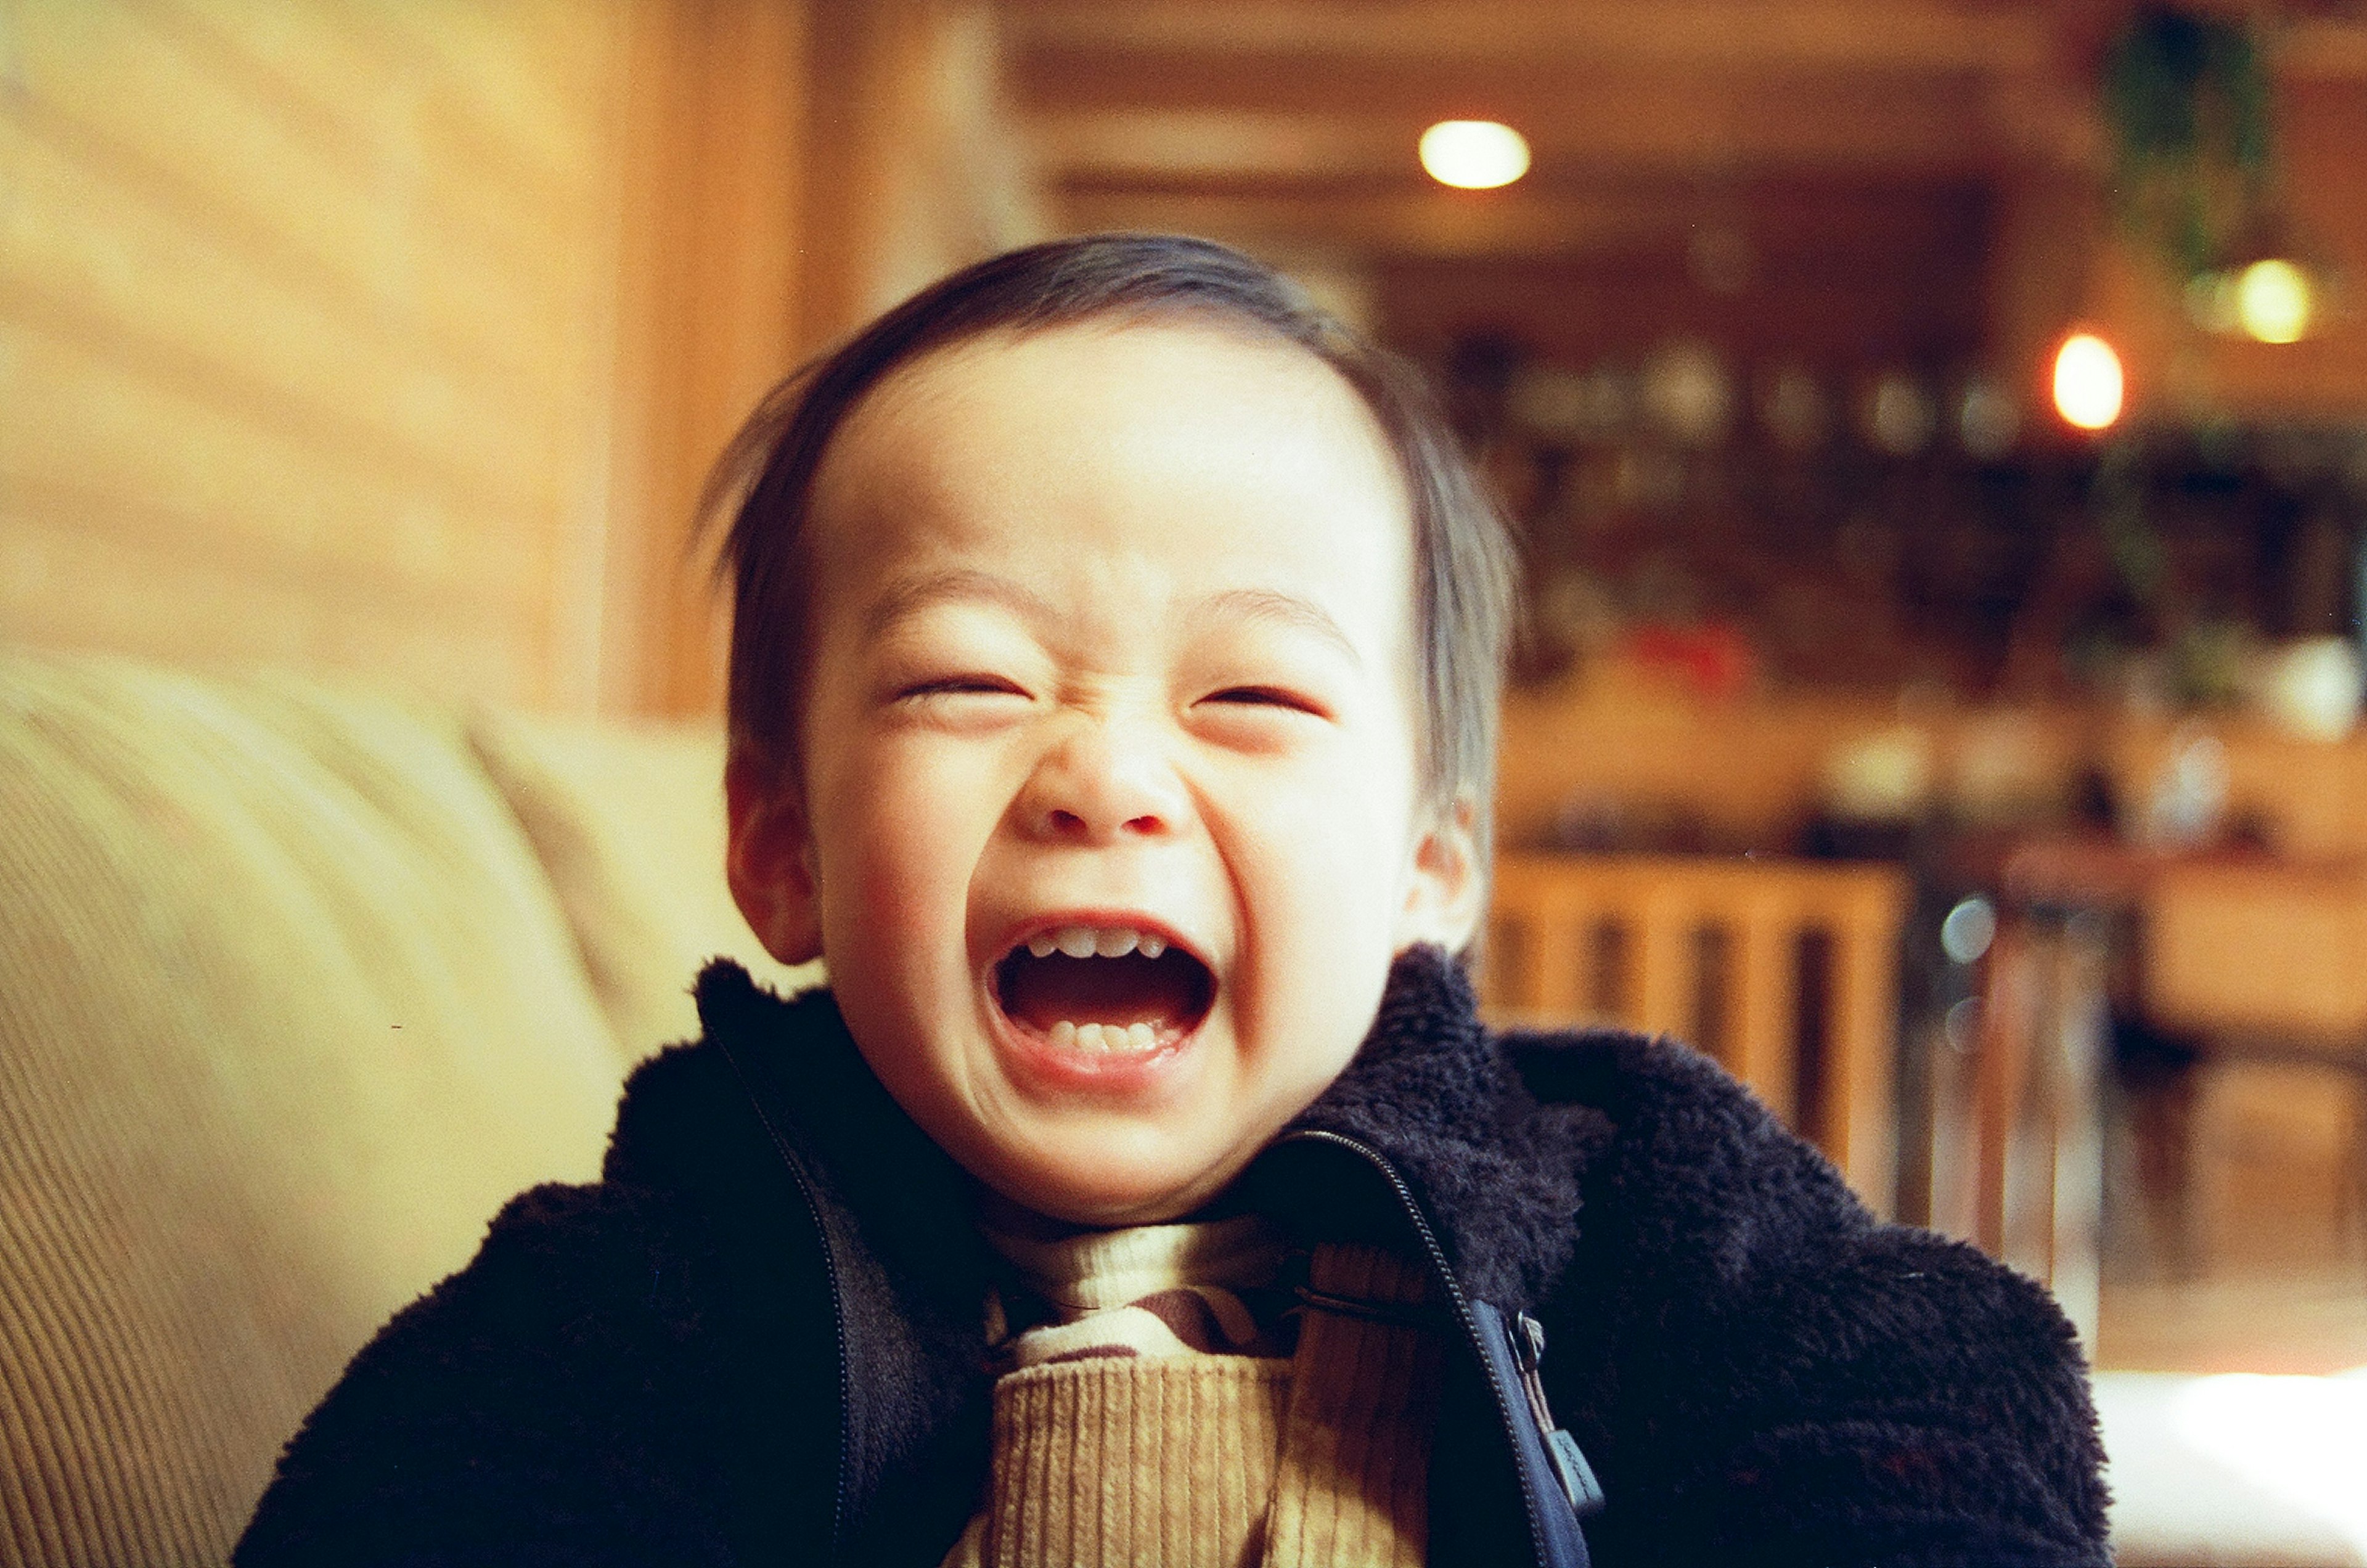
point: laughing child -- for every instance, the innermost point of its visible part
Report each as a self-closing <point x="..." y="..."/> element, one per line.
<point x="1113" y="706"/>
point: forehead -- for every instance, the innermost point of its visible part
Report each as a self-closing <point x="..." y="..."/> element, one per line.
<point x="1114" y="434"/>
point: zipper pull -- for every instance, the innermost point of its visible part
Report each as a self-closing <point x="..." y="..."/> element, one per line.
<point x="1577" y="1476"/>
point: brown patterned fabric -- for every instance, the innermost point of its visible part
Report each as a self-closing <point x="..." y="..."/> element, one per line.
<point x="1354" y="1480"/>
<point x="1148" y="1418"/>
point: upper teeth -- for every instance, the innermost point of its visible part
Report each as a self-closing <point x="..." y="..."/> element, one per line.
<point x="1088" y="941"/>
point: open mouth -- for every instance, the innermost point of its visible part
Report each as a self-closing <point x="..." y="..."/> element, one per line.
<point x="1104" y="989"/>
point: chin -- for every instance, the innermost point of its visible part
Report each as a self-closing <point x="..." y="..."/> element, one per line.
<point x="1098" y="1194"/>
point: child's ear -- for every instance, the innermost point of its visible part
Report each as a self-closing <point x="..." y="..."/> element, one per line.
<point x="769" y="859"/>
<point x="1448" y="885"/>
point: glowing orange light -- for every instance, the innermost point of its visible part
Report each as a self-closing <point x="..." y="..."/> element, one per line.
<point x="2088" y="383"/>
<point x="1476" y="154"/>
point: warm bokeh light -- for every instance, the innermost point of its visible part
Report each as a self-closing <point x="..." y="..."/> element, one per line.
<point x="1474" y="155"/>
<point x="2272" y="300"/>
<point x="2088" y="381"/>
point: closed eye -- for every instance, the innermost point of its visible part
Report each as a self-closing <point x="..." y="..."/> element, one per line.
<point x="960" y="685"/>
<point x="1268" y="696"/>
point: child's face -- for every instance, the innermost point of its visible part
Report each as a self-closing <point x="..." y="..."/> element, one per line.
<point x="1112" y="647"/>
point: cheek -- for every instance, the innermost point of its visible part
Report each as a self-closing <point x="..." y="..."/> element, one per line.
<point x="897" y="848"/>
<point x="1324" y="884"/>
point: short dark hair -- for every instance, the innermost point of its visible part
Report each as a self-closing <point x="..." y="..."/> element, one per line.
<point x="1463" y="559"/>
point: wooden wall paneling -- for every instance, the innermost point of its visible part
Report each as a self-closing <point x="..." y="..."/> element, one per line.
<point x="913" y="166"/>
<point x="444" y="303"/>
<point x="523" y="83"/>
<point x="298" y="323"/>
<point x="156" y="461"/>
<point x="123" y="433"/>
<point x="239" y="156"/>
<point x="485" y="134"/>
<point x="132" y="280"/>
<point x="712" y="273"/>
<point x="791" y="170"/>
<point x="123" y="578"/>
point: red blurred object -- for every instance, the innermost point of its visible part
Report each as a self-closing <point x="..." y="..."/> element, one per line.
<point x="1714" y="658"/>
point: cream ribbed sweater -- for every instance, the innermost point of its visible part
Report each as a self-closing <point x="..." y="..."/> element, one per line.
<point x="1149" y="1421"/>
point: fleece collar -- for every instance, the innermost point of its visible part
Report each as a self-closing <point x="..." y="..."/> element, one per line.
<point x="1430" y="1089"/>
<point x="1496" y="1172"/>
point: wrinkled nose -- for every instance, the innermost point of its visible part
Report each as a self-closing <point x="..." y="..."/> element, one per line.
<point x="1102" y="783"/>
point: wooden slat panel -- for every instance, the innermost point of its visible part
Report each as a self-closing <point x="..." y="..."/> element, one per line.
<point x="1764" y="905"/>
<point x="85" y="249"/>
<point x="158" y="530"/>
<point x="306" y="334"/>
<point x="525" y="81"/>
<point x="173" y="123"/>
<point x="501" y="175"/>
<point x="164" y="594"/>
<point x="1765" y="993"/>
<point x="106" y="422"/>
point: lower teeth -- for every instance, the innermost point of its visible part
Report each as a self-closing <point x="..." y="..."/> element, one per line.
<point x="1102" y="1037"/>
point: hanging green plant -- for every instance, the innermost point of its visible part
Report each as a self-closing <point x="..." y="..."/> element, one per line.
<point x="2187" y="97"/>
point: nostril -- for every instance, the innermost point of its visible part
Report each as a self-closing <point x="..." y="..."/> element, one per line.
<point x="1143" y="824"/>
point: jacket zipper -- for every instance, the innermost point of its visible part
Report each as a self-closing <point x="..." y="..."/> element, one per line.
<point x="1525" y="1351"/>
<point x="1461" y="1306"/>
<point x="829" y="1276"/>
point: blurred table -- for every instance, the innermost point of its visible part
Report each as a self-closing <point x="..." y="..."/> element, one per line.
<point x="2247" y="952"/>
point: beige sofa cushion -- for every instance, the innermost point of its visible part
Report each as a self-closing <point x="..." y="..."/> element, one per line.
<point x="287" y="1011"/>
<point x="628" y="822"/>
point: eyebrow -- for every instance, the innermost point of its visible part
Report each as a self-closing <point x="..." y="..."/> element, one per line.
<point x="1287" y="609"/>
<point x="967" y="584"/>
<point x="914" y="594"/>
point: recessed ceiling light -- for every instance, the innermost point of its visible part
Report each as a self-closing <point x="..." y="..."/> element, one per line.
<point x="1474" y="155"/>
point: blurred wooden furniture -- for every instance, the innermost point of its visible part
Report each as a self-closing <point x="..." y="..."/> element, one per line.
<point x="2262" y="959"/>
<point x="2237" y="951"/>
<point x="1785" y="971"/>
<point x="2019" y="1167"/>
<point x="2019" y="1170"/>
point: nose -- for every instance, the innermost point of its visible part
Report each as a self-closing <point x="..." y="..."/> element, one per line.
<point x="1103" y="780"/>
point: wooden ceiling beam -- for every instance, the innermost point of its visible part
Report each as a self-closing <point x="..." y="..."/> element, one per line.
<point x="1629" y="124"/>
<point x="1886" y="35"/>
<point x="1411" y="222"/>
<point x="1780" y="222"/>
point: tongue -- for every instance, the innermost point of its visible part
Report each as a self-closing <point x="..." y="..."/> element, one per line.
<point x="1167" y="992"/>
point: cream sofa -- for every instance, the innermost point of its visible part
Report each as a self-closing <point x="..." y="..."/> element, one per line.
<point x="297" y="985"/>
